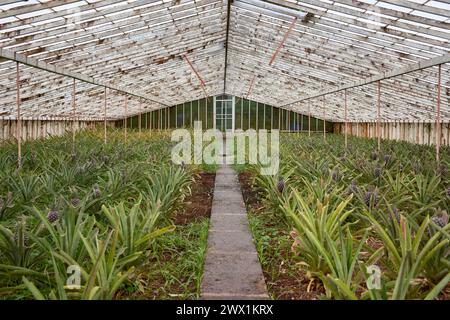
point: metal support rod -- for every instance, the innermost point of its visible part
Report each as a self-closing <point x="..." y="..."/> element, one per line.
<point x="345" y="117"/>
<point x="202" y="83"/>
<point x="104" y="118"/>
<point x="250" y="87"/>
<point x="19" y="121"/>
<point x="438" y="116"/>
<point x="291" y="26"/>
<point x="74" y="108"/>
<point x="379" y="114"/>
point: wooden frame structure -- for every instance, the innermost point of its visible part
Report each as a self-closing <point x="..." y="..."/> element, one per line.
<point x="139" y="49"/>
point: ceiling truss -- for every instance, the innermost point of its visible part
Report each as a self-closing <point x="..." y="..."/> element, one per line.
<point x="297" y="54"/>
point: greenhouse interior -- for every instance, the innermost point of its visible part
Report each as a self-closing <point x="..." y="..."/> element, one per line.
<point x="225" y="150"/>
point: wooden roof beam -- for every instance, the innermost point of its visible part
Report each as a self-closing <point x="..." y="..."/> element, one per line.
<point x="385" y="75"/>
<point x="61" y="71"/>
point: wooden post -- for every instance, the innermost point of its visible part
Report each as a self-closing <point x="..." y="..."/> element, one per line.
<point x="324" y="122"/>
<point x="379" y="114"/>
<point x="74" y="108"/>
<point x="279" y="118"/>
<point x="126" y="119"/>
<point x="104" y="117"/>
<point x="19" y="121"/>
<point x="140" y="117"/>
<point x="438" y="117"/>
<point x="147" y="122"/>
<point x="309" y="118"/>
<point x="345" y="118"/>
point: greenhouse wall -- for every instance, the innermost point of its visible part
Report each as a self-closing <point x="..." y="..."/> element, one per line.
<point x="248" y="115"/>
<point x="421" y="133"/>
<point x="35" y="129"/>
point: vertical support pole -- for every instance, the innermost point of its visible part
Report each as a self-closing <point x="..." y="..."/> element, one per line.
<point x="140" y="117"/>
<point x="257" y="107"/>
<point x="206" y="113"/>
<point x="146" y="120"/>
<point x="159" y="120"/>
<point x="324" y="122"/>
<point x="438" y="116"/>
<point x="379" y="114"/>
<point x="264" y="116"/>
<point x="126" y="119"/>
<point x="271" y="118"/>
<point x="199" y="117"/>
<point x="309" y="118"/>
<point x="74" y="109"/>
<point x="345" y="118"/>
<point x="19" y="121"/>
<point x="151" y="121"/>
<point x="104" y="117"/>
<point x="279" y="118"/>
<point x="242" y="113"/>
<point x="289" y="120"/>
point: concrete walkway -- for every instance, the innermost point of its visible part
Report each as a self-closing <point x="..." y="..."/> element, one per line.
<point x="232" y="269"/>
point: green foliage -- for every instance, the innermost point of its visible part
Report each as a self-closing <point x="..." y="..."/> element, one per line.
<point x="341" y="203"/>
<point x="98" y="206"/>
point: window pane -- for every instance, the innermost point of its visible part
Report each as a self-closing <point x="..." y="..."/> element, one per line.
<point x="194" y="111"/>
<point x="292" y="120"/>
<point x="173" y="115"/>
<point x="253" y="114"/>
<point x="210" y="119"/>
<point x="245" y="114"/>
<point x="202" y="106"/>
<point x="229" y="123"/>
<point x="229" y="107"/>
<point x="275" y="119"/>
<point x="268" y="121"/>
<point x="237" y="113"/>
<point x="261" y="122"/>
<point x="187" y="114"/>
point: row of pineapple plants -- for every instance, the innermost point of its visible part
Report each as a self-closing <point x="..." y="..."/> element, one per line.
<point x="354" y="210"/>
<point x="86" y="209"/>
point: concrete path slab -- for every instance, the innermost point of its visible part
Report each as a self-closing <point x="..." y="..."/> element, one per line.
<point x="232" y="270"/>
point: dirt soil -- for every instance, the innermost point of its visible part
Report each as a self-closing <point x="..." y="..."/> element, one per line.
<point x="199" y="203"/>
<point x="282" y="285"/>
<point x="196" y="206"/>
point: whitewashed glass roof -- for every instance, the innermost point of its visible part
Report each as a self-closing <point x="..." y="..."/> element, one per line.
<point x="299" y="55"/>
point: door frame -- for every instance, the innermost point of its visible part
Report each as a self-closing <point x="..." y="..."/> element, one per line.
<point x="233" y="113"/>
